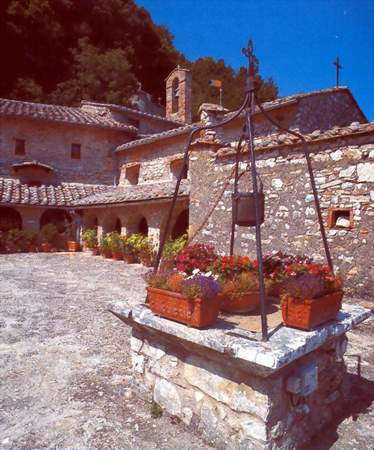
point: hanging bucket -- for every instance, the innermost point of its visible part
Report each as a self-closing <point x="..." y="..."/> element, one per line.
<point x="243" y="207"/>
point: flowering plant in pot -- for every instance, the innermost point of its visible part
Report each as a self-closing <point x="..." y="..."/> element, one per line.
<point x="238" y="276"/>
<point x="137" y="242"/>
<point x="48" y="235"/>
<point x="89" y="237"/>
<point x="195" y="256"/>
<point x="105" y="246"/>
<point x="192" y="300"/>
<point x="115" y="245"/>
<point x="311" y="295"/>
<point x="274" y="266"/>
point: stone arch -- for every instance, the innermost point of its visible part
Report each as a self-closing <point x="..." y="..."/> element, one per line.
<point x="175" y="95"/>
<point x="181" y="224"/>
<point x="9" y="218"/>
<point x="143" y="226"/>
<point x="90" y="221"/>
<point x="59" y="217"/>
<point x="112" y="223"/>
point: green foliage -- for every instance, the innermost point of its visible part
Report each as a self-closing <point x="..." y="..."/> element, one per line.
<point x="138" y="242"/>
<point x="173" y="247"/>
<point x="114" y="241"/>
<point x="48" y="233"/>
<point x="233" y="84"/>
<point x="89" y="237"/>
<point x="104" y="242"/>
<point x="63" y="51"/>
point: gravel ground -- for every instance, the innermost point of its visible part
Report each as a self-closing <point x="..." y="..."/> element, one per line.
<point x="65" y="370"/>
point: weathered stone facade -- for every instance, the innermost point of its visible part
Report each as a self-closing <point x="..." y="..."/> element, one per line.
<point x="344" y="171"/>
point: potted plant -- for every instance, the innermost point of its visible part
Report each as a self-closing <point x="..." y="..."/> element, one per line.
<point x="274" y="267"/>
<point x="171" y="249"/>
<point x="138" y="242"/>
<point x="192" y="300"/>
<point x="115" y="245"/>
<point x="71" y="243"/>
<point x="13" y="240"/>
<point x="147" y="254"/>
<point x="89" y="237"/>
<point x="48" y="234"/>
<point x="128" y="250"/>
<point x="105" y="246"/>
<point x="29" y="240"/>
<point x="195" y="256"/>
<point x="311" y="295"/>
<point x="238" y="276"/>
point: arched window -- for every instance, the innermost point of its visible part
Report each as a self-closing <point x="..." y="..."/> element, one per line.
<point x="175" y="95"/>
<point x="9" y="218"/>
<point x="143" y="226"/>
<point x="181" y="225"/>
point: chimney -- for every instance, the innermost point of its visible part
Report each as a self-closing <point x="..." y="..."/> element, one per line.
<point x="179" y="95"/>
<point x="211" y="114"/>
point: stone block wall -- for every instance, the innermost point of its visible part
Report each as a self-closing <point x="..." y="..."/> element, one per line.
<point x="50" y="143"/>
<point x="154" y="159"/>
<point x="344" y="172"/>
<point x="231" y="406"/>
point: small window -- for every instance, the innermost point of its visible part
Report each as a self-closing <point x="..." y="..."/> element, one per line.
<point x="175" y="95"/>
<point x="340" y="218"/>
<point x="20" y="147"/>
<point x="76" y="151"/>
<point x="132" y="174"/>
<point x="175" y="168"/>
<point x="134" y="122"/>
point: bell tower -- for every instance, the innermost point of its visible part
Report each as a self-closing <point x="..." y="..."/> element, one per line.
<point x="179" y="95"/>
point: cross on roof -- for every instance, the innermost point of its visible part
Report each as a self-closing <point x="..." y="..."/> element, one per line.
<point x="338" y="67"/>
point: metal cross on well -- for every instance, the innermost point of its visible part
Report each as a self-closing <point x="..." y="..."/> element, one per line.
<point x="338" y="67"/>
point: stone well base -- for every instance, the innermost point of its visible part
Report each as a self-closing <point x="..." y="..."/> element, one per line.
<point x="278" y="402"/>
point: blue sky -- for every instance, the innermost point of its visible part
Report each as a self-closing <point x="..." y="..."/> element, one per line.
<point x="296" y="41"/>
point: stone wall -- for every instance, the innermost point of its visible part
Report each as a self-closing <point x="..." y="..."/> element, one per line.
<point x="232" y="407"/>
<point x="344" y="171"/>
<point x="154" y="159"/>
<point x="50" y="143"/>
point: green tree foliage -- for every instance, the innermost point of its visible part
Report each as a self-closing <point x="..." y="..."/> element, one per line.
<point x="62" y="51"/>
<point x="233" y="84"/>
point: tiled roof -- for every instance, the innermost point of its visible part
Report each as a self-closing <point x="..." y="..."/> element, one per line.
<point x="64" y="114"/>
<point x="14" y="193"/>
<point x="157" y="137"/>
<point x="126" y="109"/>
<point x="277" y="103"/>
<point x="32" y="164"/>
<point x="140" y="192"/>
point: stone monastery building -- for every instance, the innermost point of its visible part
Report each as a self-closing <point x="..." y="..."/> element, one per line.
<point x="116" y="167"/>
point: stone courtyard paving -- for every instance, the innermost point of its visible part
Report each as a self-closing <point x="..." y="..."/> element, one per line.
<point x="65" y="371"/>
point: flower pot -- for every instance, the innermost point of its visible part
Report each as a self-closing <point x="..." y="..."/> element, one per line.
<point x="32" y="248"/>
<point x="118" y="256"/>
<point x="46" y="247"/>
<point x="106" y="253"/>
<point x="94" y="251"/>
<point x="73" y="246"/>
<point x="307" y="314"/>
<point x="196" y="313"/>
<point x="130" y="259"/>
<point x="240" y="303"/>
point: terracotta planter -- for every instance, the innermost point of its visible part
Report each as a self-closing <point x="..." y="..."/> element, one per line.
<point x="106" y="253"/>
<point x="32" y="248"/>
<point x="130" y="259"/>
<point x="312" y="312"/>
<point x="46" y="247"/>
<point x="118" y="256"/>
<point x="73" y="246"/>
<point x="241" y="303"/>
<point x="94" y="251"/>
<point x="196" y="313"/>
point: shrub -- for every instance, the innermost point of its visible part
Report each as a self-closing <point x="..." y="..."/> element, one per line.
<point x="240" y="284"/>
<point x="104" y="242"/>
<point x="138" y="242"/>
<point x="89" y="237"/>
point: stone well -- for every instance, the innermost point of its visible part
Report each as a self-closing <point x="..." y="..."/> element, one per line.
<point x="239" y="392"/>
